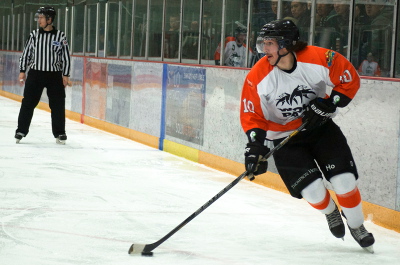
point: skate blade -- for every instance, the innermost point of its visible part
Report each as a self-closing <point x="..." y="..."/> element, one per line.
<point x="60" y="142"/>
<point x="17" y="140"/>
<point x="369" y="249"/>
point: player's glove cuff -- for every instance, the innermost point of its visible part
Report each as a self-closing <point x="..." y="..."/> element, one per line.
<point x="318" y="112"/>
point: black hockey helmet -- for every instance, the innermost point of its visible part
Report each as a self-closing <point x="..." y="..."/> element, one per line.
<point x="47" y="11"/>
<point x="240" y="30"/>
<point x="284" y="31"/>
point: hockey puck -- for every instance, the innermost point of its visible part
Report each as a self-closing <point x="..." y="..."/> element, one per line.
<point x="147" y="254"/>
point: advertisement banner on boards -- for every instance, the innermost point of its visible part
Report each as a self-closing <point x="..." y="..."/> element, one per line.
<point x="185" y="100"/>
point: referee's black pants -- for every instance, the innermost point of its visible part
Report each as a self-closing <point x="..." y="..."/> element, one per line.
<point x="35" y="83"/>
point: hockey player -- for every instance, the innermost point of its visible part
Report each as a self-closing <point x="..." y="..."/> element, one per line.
<point x="369" y="67"/>
<point x="284" y="89"/>
<point x="234" y="53"/>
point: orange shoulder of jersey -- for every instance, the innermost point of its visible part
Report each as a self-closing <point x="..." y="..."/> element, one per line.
<point x="342" y="73"/>
<point x="229" y="39"/>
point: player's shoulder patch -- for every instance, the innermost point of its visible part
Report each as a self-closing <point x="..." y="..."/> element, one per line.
<point x="317" y="55"/>
<point x="329" y="54"/>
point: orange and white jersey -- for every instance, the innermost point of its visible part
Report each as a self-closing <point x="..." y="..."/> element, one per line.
<point x="274" y="100"/>
<point x="234" y="54"/>
<point x="369" y="68"/>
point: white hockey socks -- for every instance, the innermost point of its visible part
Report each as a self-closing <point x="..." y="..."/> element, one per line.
<point x="318" y="197"/>
<point x="349" y="198"/>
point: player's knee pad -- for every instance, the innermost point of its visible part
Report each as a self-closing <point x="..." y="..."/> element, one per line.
<point x="343" y="183"/>
<point x="315" y="192"/>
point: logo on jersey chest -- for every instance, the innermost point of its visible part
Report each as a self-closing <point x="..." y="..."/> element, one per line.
<point x="291" y="105"/>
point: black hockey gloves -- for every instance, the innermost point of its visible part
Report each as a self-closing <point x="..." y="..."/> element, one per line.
<point x="253" y="153"/>
<point x="318" y="112"/>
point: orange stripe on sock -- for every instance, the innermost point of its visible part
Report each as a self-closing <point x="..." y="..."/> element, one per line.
<point x="350" y="199"/>
<point x="322" y="204"/>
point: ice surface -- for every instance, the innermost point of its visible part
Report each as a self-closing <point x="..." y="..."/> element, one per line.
<point x="86" y="202"/>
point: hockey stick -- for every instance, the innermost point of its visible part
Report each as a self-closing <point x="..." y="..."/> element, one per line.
<point x="146" y="249"/>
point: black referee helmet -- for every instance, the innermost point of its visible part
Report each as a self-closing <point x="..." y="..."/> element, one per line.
<point x="47" y="11"/>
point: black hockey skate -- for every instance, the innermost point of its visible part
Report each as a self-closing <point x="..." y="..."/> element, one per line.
<point x="363" y="238"/>
<point x="61" y="139"/>
<point x="336" y="224"/>
<point x="18" y="136"/>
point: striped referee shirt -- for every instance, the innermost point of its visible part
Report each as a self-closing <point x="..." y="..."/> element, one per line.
<point x="46" y="51"/>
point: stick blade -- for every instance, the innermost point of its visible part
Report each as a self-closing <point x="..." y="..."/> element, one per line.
<point x="136" y="248"/>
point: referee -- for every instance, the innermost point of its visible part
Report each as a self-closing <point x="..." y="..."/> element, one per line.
<point x="46" y="54"/>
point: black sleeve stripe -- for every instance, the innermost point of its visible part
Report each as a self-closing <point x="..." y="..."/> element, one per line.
<point x="27" y="52"/>
<point x="344" y="100"/>
<point x="259" y="135"/>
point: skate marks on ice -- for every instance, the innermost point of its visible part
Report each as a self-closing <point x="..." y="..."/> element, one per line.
<point x="88" y="201"/>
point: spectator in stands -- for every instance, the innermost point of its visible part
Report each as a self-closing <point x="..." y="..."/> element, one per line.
<point x="301" y="13"/>
<point x="303" y="16"/>
<point x="286" y="8"/>
<point x="360" y="15"/>
<point x="361" y="21"/>
<point x="325" y="34"/>
<point x="209" y="41"/>
<point x="377" y="14"/>
<point x="171" y="46"/>
<point x="190" y="41"/>
<point x="274" y="8"/>
<point x="379" y="33"/>
<point x="369" y="67"/>
<point x="324" y="12"/>
<point x="340" y="22"/>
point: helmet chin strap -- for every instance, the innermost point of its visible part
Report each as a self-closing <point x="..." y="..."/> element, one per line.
<point x="47" y="24"/>
<point x="280" y="57"/>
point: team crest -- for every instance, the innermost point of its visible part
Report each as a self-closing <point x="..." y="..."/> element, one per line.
<point x="329" y="57"/>
<point x="296" y="97"/>
<point x="294" y="100"/>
